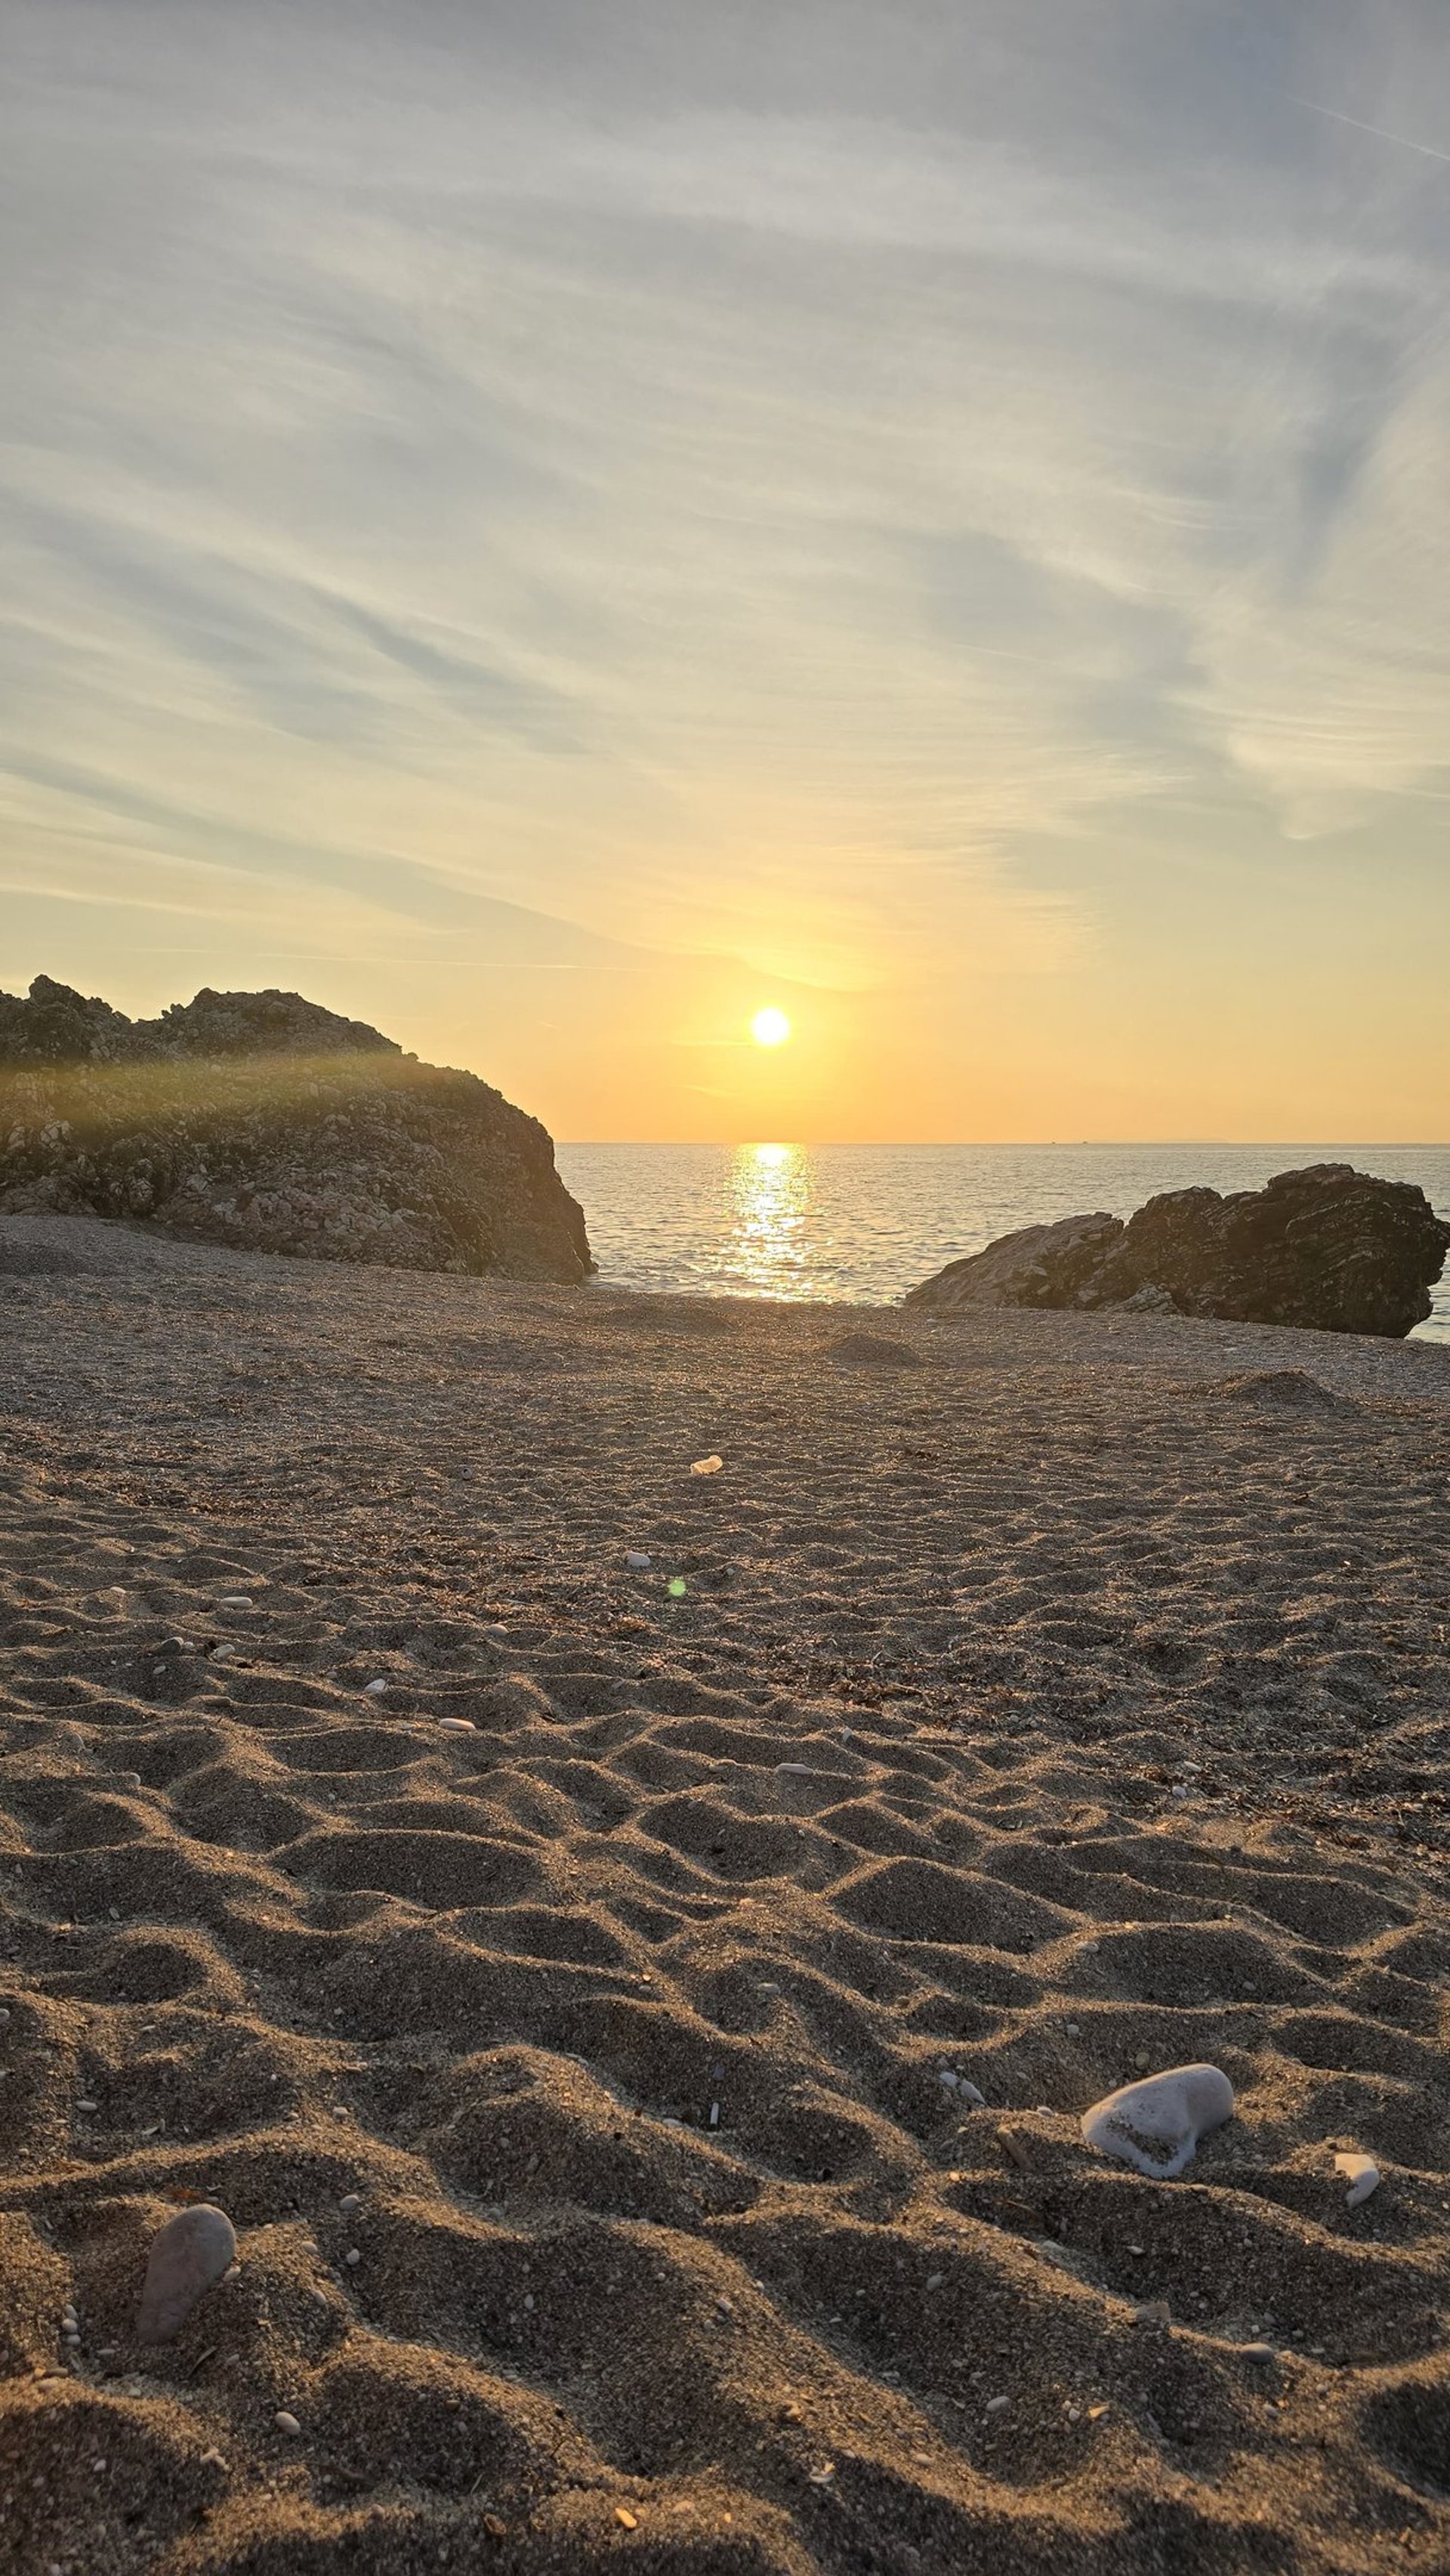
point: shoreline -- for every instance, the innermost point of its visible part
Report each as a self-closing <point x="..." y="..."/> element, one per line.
<point x="1049" y="1696"/>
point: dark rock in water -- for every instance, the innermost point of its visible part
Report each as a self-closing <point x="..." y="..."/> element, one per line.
<point x="262" y="1121"/>
<point x="1329" y="1248"/>
<point x="1039" y="1265"/>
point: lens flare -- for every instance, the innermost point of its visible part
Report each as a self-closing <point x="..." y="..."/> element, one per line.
<point x="770" y="1028"/>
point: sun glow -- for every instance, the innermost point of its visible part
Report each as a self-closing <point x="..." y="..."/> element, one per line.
<point x="770" y="1028"/>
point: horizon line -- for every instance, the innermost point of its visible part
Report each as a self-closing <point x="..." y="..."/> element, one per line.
<point x="1059" y="1144"/>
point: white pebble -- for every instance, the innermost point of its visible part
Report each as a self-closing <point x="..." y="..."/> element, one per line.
<point x="1156" y="2125"/>
<point x="1362" y="2175"/>
<point x="350" y="2200"/>
<point x="638" y="1562"/>
<point x="374" y="1690"/>
<point x="995" y="2405"/>
<point x="456" y="1726"/>
<point x="286" y="2423"/>
<point x="191" y="2252"/>
<point x="234" y="1600"/>
<point x="353" y="2255"/>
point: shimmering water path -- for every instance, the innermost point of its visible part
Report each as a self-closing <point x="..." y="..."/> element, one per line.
<point x="865" y="1222"/>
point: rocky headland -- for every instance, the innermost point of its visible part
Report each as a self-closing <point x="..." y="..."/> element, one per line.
<point x="1328" y="1249"/>
<point x="263" y="1121"/>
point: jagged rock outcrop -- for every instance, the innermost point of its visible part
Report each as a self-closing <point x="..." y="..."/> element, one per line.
<point x="262" y="1120"/>
<point x="1328" y="1248"/>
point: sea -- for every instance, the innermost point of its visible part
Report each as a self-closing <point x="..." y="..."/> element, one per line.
<point x="860" y="1224"/>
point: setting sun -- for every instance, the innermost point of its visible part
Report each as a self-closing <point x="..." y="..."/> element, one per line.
<point x="770" y="1028"/>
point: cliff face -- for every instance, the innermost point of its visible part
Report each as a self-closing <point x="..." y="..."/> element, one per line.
<point x="264" y="1121"/>
<point x="1330" y="1248"/>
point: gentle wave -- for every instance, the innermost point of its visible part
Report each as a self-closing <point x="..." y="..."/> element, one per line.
<point x="863" y="1223"/>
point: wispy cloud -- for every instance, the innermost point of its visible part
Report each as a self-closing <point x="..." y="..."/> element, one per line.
<point x="773" y="497"/>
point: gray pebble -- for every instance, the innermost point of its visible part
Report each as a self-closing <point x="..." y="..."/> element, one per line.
<point x="189" y="2255"/>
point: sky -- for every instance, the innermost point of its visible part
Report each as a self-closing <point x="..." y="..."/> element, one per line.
<point x="552" y="527"/>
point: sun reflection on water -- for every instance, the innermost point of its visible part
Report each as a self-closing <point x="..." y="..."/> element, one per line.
<point x="770" y="1197"/>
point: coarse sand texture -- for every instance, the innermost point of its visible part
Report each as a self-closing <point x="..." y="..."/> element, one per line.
<point x="550" y="2001"/>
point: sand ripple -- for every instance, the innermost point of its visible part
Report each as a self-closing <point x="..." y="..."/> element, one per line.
<point x="594" y="2096"/>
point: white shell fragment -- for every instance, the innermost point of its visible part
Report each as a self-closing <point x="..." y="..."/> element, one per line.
<point x="961" y="2085"/>
<point x="1362" y="2175"/>
<point x="190" y="2254"/>
<point x="1156" y="2125"/>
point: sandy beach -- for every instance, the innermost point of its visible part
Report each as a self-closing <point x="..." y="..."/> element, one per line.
<point x="576" y="1980"/>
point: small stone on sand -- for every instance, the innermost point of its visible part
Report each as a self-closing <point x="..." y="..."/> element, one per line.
<point x="1362" y="2175"/>
<point x="638" y="1562"/>
<point x="187" y="2258"/>
<point x="374" y="1690"/>
<point x="1156" y="2125"/>
<point x="286" y="2423"/>
<point x="706" y="1466"/>
<point x="456" y="1726"/>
